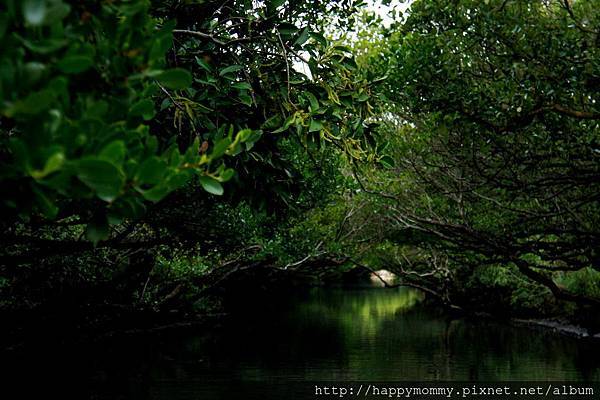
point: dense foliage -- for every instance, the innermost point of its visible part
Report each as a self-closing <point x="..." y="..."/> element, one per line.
<point x="151" y="151"/>
<point x="493" y="123"/>
<point x="121" y="122"/>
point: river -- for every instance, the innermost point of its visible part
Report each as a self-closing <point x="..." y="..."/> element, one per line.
<point x="333" y="334"/>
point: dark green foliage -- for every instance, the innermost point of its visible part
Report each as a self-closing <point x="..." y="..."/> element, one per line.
<point x="151" y="150"/>
<point x="164" y="129"/>
<point x="494" y="128"/>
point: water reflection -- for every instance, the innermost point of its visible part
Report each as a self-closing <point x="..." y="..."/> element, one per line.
<point x="382" y="334"/>
<point x="326" y="334"/>
<point x="357" y="312"/>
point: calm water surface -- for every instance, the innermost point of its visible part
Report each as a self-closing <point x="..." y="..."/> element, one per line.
<point x="328" y="334"/>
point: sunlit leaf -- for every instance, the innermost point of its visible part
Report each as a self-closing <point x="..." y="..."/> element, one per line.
<point x="211" y="185"/>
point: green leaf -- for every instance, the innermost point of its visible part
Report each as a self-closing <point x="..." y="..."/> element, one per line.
<point x="244" y="134"/>
<point x="161" y="45"/>
<point x="179" y="179"/>
<point x="192" y="152"/>
<point x="344" y="49"/>
<point x="304" y="35"/>
<point x="387" y="161"/>
<point x="35" y="103"/>
<point x="211" y="185"/>
<point x="287" y="29"/>
<point x="363" y="97"/>
<point x="176" y="78"/>
<point x="319" y="38"/>
<point x="34" y="11"/>
<point x="380" y="79"/>
<point x="151" y="144"/>
<point x="203" y="64"/>
<point x="156" y="194"/>
<point x="43" y="46"/>
<point x="287" y="123"/>
<point x="101" y="176"/>
<point x="315" y="126"/>
<point x="57" y="12"/>
<point x="143" y="108"/>
<point x="114" y="152"/>
<point x="230" y="69"/>
<point x="272" y="122"/>
<point x="75" y="64"/>
<point x="349" y="63"/>
<point x="166" y="103"/>
<point x="220" y="147"/>
<point x="314" y="103"/>
<point x="252" y="138"/>
<point x="242" y="86"/>
<point x="53" y="163"/>
<point x="245" y="99"/>
<point x="151" y="171"/>
<point x="227" y="175"/>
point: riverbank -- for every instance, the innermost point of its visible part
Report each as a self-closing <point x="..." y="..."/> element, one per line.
<point x="558" y="326"/>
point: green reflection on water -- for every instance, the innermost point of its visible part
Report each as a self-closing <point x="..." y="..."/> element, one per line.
<point x="382" y="334"/>
<point x="358" y="312"/>
<point x="386" y="335"/>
